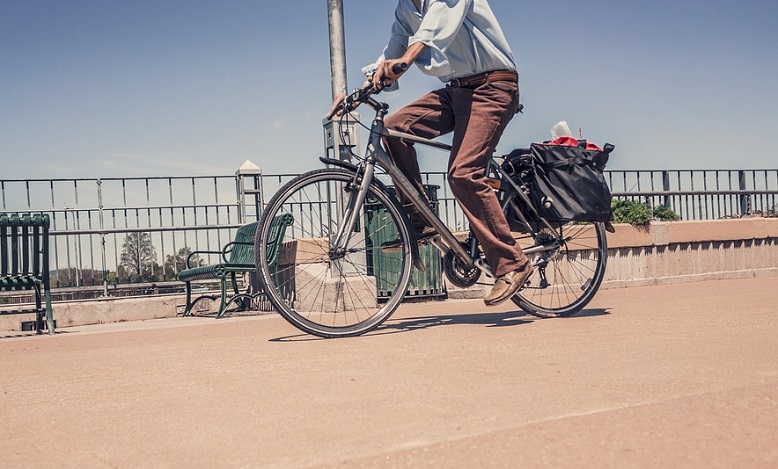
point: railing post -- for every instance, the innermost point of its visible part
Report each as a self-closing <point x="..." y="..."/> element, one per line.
<point x="101" y="220"/>
<point x="249" y="169"/>
<point x="745" y="200"/>
<point x="666" y="187"/>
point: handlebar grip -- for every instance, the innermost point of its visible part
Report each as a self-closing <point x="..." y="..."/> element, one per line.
<point x="399" y="68"/>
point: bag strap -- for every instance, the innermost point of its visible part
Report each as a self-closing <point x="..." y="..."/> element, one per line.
<point x="570" y="163"/>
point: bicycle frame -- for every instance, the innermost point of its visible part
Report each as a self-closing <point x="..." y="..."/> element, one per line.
<point x="376" y="155"/>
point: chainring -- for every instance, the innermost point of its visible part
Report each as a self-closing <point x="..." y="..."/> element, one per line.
<point x="456" y="273"/>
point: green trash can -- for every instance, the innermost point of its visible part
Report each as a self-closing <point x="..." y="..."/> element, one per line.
<point x="423" y="284"/>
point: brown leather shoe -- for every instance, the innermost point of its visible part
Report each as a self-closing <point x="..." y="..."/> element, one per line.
<point x="507" y="285"/>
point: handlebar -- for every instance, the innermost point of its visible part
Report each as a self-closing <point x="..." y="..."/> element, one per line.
<point x="399" y="68"/>
<point x="361" y="95"/>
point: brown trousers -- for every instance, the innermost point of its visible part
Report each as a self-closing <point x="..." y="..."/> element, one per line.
<point x="477" y="117"/>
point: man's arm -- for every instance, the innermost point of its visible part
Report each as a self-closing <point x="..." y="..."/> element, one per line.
<point x="385" y="75"/>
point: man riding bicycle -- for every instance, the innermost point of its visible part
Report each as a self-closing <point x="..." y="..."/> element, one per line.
<point x="460" y="42"/>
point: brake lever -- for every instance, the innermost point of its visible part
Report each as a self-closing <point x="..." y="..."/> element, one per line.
<point x="357" y="96"/>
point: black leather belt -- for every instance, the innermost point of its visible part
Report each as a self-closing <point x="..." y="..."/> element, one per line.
<point x="474" y="81"/>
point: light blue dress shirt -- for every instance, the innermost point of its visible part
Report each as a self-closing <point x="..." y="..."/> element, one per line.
<point x="463" y="38"/>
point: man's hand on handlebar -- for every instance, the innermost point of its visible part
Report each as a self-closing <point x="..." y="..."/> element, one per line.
<point x="337" y="105"/>
<point x="347" y="103"/>
<point x="388" y="72"/>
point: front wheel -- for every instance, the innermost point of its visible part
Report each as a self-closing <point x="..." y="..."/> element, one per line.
<point x="567" y="277"/>
<point x="322" y="278"/>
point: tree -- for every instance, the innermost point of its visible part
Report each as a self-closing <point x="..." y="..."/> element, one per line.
<point x="138" y="257"/>
<point x="72" y="277"/>
<point x="112" y="278"/>
<point x="177" y="263"/>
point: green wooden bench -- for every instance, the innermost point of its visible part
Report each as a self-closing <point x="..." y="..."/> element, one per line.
<point x="24" y="263"/>
<point x="237" y="258"/>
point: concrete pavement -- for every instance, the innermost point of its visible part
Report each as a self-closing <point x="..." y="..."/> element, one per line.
<point x="679" y="375"/>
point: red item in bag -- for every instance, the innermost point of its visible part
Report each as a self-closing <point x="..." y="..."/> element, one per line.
<point x="571" y="142"/>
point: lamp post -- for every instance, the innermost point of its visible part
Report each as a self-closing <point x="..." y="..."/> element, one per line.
<point x="337" y="46"/>
<point x="347" y="126"/>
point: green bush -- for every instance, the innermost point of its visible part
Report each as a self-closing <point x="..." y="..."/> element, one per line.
<point x="665" y="213"/>
<point x="639" y="213"/>
<point x="629" y="211"/>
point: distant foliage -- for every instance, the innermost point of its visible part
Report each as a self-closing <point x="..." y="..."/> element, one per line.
<point x="639" y="213"/>
<point x="177" y="263"/>
<point x="73" y="277"/>
<point x="629" y="211"/>
<point x="665" y="214"/>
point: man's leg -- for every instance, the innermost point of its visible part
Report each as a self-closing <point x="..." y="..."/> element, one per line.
<point x="429" y="117"/>
<point x="481" y="116"/>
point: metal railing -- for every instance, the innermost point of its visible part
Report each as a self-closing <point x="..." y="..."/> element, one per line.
<point x="701" y="194"/>
<point x="692" y="194"/>
<point x="95" y="222"/>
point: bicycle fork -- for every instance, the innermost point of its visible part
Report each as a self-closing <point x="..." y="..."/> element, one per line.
<point x="358" y="190"/>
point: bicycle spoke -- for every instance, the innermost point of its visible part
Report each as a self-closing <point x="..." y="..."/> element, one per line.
<point x="572" y="273"/>
<point x="329" y="289"/>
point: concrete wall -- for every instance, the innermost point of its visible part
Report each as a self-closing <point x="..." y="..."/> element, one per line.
<point x="659" y="253"/>
<point x="671" y="252"/>
<point x="682" y="251"/>
<point x="102" y="311"/>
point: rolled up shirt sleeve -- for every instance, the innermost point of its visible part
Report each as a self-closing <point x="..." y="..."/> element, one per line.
<point x="398" y="44"/>
<point x="441" y="23"/>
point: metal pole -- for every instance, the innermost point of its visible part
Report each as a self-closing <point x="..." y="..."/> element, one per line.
<point x="745" y="199"/>
<point x="337" y="46"/>
<point x="102" y="235"/>
<point x="347" y="126"/>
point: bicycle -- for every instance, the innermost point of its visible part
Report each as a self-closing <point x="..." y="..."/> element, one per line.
<point x="331" y="265"/>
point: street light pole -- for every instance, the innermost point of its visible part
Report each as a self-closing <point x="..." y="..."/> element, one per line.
<point x="337" y="46"/>
<point x="334" y="146"/>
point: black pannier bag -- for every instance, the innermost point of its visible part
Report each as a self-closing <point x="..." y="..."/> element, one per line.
<point x="566" y="182"/>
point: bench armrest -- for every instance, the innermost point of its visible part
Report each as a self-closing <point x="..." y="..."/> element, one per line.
<point x="228" y="248"/>
<point x="194" y="253"/>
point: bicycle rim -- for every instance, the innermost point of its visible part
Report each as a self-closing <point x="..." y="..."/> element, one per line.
<point x="328" y="290"/>
<point x="567" y="278"/>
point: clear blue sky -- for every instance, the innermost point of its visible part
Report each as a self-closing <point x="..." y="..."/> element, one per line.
<point x="102" y="88"/>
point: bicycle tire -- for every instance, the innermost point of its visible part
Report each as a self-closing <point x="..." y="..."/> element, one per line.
<point x="566" y="279"/>
<point x="318" y="288"/>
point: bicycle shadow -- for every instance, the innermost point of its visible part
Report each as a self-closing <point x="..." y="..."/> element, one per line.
<point x="486" y="319"/>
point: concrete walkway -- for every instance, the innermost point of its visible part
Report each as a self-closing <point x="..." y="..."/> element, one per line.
<point x="665" y="376"/>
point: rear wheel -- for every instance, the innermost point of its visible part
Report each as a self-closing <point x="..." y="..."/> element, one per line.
<point x="326" y="289"/>
<point x="567" y="277"/>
